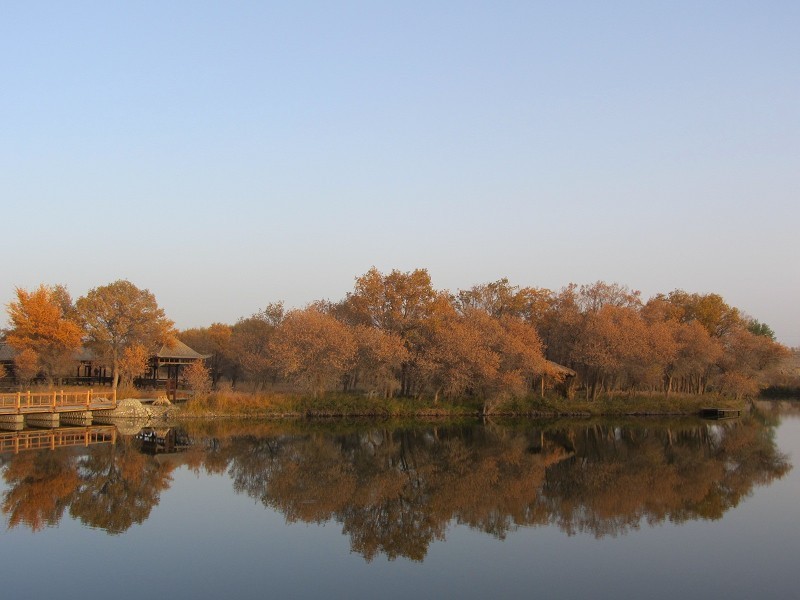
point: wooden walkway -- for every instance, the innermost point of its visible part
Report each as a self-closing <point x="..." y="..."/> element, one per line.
<point x="24" y="403"/>
<point x="720" y="413"/>
<point x="57" y="438"/>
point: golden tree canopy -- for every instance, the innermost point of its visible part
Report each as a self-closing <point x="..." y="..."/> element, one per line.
<point x="119" y="315"/>
<point x="39" y="323"/>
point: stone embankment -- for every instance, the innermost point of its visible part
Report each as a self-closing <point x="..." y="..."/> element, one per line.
<point x="131" y="408"/>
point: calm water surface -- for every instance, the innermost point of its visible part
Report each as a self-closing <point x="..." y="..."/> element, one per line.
<point x="569" y="509"/>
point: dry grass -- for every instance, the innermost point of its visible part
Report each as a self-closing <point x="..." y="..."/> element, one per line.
<point x="248" y="404"/>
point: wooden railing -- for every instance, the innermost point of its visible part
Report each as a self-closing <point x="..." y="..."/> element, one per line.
<point x="56" y="401"/>
<point x="57" y="438"/>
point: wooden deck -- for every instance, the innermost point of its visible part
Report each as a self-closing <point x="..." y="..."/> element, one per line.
<point x="57" y="438"/>
<point x="24" y="403"/>
<point x="720" y="413"/>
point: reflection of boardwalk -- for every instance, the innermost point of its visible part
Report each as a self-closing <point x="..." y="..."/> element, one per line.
<point x="57" y="438"/>
<point x="55" y="402"/>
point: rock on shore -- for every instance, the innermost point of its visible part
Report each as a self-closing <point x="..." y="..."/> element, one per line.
<point x="131" y="408"/>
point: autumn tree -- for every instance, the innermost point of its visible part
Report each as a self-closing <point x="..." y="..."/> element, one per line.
<point x="134" y="362"/>
<point x="458" y="358"/>
<point x="214" y="341"/>
<point x="497" y="298"/>
<point x="26" y="366"/>
<point x="397" y="303"/>
<point x="746" y="362"/>
<point x="379" y="358"/>
<point x="249" y="343"/>
<point x="120" y="315"/>
<point x="39" y="324"/>
<point x="500" y="298"/>
<point x="313" y="349"/>
<point x="198" y="377"/>
<point x="710" y="310"/>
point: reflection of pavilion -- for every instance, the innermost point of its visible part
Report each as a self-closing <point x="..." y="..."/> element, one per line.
<point x="163" y="441"/>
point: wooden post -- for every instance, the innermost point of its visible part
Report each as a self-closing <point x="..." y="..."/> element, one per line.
<point x="114" y="397"/>
<point x="19" y="402"/>
<point x="54" y="401"/>
<point x="29" y="398"/>
<point x="88" y="399"/>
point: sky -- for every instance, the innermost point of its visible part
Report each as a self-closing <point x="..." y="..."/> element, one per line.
<point x="225" y="155"/>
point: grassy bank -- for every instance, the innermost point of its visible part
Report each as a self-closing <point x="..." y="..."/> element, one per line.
<point x="271" y="405"/>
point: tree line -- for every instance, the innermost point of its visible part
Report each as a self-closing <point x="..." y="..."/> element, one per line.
<point x="395" y="334"/>
<point x="121" y="323"/>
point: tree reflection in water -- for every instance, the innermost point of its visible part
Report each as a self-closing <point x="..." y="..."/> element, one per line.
<point x="110" y="487"/>
<point x="119" y="486"/>
<point x="394" y="491"/>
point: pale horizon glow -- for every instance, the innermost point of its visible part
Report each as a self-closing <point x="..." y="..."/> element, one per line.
<point x="228" y="155"/>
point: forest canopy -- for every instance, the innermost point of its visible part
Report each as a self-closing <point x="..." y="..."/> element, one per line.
<point x="396" y="334"/>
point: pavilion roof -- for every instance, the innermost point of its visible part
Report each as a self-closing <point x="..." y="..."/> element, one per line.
<point x="179" y="350"/>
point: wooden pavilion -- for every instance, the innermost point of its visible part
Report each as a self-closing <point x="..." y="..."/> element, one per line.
<point x="165" y="366"/>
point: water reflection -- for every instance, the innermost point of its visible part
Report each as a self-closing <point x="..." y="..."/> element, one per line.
<point x="110" y="486"/>
<point x="395" y="490"/>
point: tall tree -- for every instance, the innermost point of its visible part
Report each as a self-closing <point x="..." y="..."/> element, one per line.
<point x="215" y="341"/>
<point x="133" y="363"/>
<point x="313" y="349"/>
<point x="398" y="303"/>
<point x="379" y="358"/>
<point x="120" y="315"/>
<point x="39" y="323"/>
<point x="249" y="344"/>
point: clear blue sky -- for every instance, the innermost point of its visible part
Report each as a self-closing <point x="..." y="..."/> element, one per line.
<point x="229" y="154"/>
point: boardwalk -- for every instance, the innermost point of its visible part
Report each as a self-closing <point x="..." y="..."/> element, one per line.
<point x="23" y="403"/>
<point x="57" y="438"/>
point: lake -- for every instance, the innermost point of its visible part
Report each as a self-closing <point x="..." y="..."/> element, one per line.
<point x="631" y="508"/>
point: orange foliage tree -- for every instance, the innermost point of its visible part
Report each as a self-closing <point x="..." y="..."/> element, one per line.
<point x="39" y="325"/>
<point x="215" y="341"/>
<point x="120" y="315"/>
<point x="313" y="349"/>
<point x="134" y="363"/>
<point x="198" y="377"/>
<point x="249" y="343"/>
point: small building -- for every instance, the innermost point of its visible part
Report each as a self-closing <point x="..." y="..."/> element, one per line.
<point x="6" y="363"/>
<point x="168" y="362"/>
<point x="89" y="369"/>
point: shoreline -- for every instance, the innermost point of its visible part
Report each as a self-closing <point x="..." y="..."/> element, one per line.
<point x="294" y="409"/>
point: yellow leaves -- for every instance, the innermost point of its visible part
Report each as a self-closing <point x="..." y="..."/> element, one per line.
<point x="313" y="348"/>
<point x="475" y="351"/>
<point x="397" y="302"/>
<point x="134" y="362"/>
<point x="198" y="377"/>
<point x="37" y="321"/>
<point x="119" y="315"/>
<point x="41" y="329"/>
<point x="26" y="365"/>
